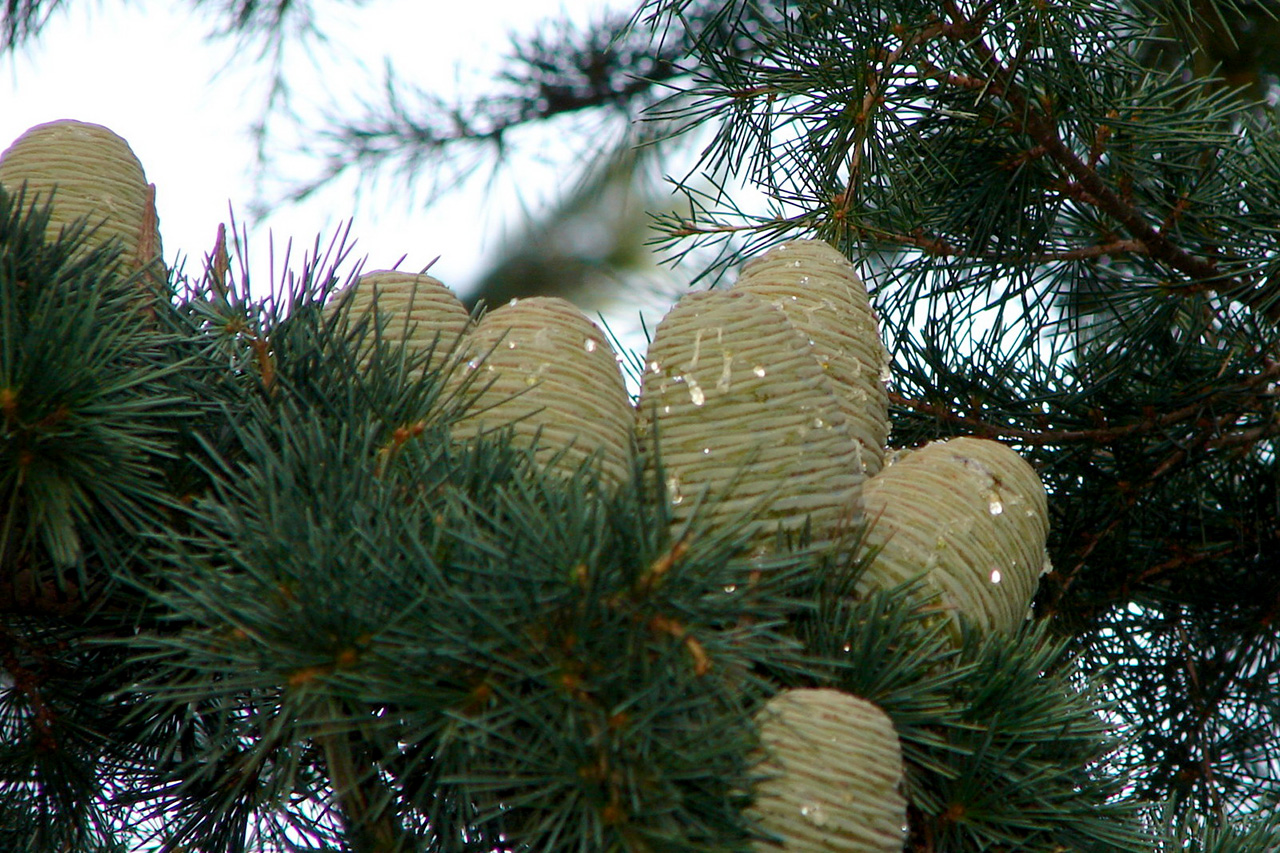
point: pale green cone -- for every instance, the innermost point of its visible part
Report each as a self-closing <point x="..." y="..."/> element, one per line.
<point x="413" y="309"/>
<point x="744" y="414"/>
<point x="832" y="776"/>
<point x="86" y="170"/>
<point x="819" y="291"/>
<point x="542" y="367"/>
<point x="969" y="512"/>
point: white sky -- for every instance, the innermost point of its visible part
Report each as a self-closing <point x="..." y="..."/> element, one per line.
<point x="185" y="104"/>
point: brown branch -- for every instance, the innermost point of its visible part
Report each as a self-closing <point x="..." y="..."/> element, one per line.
<point x="1043" y="129"/>
<point x="29" y="683"/>
<point x="362" y="797"/>
<point x="940" y="247"/>
<point x="1147" y="425"/>
<point x="1185" y="558"/>
<point x="1170" y="463"/>
<point x="1204" y="710"/>
<point x="26" y="592"/>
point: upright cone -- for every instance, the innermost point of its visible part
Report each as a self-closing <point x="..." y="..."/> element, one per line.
<point x="86" y="170"/>
<point x="413" y="309"/>
<point x="541" y="368"/>
<point x="972" y="516"/>
<point x="832" y="776"/>
<point x="816" y="287"/>
<point x="746" y="420"/>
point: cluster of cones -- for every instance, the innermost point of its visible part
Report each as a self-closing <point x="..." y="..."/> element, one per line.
<point x="763" y="404"/>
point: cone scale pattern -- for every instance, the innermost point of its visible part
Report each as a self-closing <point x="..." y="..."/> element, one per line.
<point x="767" y="405"/>
<point x="832" y="776"/>
<point x="816" y="287"/>
<point x="543" y="369"/>
<point x="86" y="170"/>
<point x="969" y="513"/>
<point x="746" y="420"/>
<point x="412" y="309"/>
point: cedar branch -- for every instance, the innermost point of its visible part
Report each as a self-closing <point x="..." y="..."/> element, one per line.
<point x="1041" y="127"/>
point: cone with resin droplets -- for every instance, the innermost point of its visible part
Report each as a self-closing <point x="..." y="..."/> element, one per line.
<point x="413" y="309"/>
<point x="969" y="513"/>
<point x="86" y="171"/>
<point x="743" y="412"/>
<point x="540" y="367"/>
<point x="826" y="301"/>
<point x="832" y="775"/>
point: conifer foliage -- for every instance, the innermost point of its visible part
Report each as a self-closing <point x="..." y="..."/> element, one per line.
<point x="982" y="560"/>
<point x="1070" y="236"/>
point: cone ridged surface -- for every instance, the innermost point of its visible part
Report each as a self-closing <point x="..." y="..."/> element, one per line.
<point x="972" y="513"/>
<point x="834" y="770"/>
<point x="413" y="309"/>
<point x="86" y="170"/>
<point x="744" y="412"/>
<point x="546" y="368"/>
<point x="826" y="301"/>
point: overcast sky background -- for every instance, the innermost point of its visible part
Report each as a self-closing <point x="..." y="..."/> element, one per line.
<point x="186" y="104"/>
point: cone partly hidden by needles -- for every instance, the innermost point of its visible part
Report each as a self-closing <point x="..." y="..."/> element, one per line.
<point x="973" y="516"/>
<point x="413" y="309"/>
<point x="762" y="406"/>
<point x="85" y="170"/>
<point x="832" y="775"/>
<point x="816" y="287"/>
<point x="743" y="413"/>
<point x="541" y="368"/>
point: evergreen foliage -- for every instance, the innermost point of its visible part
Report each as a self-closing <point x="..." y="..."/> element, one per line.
<point x="1075" y="251"/>
<point x="252" y="597"/>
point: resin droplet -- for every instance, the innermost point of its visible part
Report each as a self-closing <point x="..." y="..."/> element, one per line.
<point x="726" y="375"/>
<point x="813" y="812"/>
